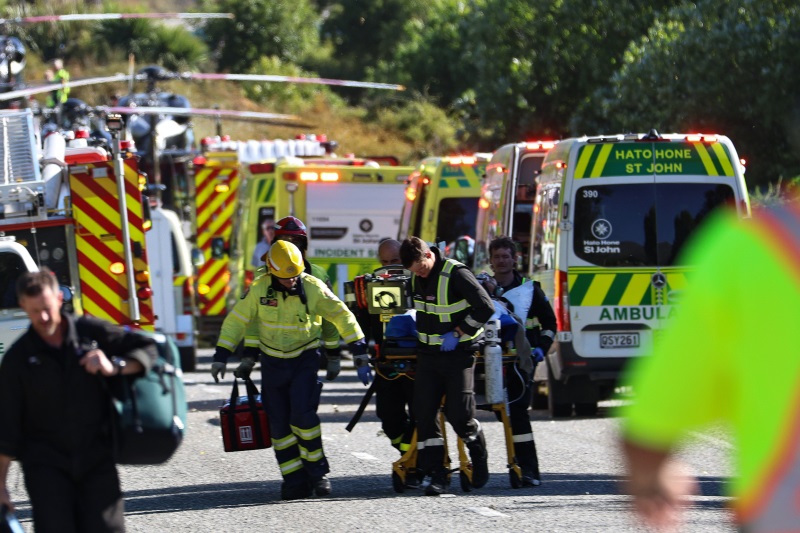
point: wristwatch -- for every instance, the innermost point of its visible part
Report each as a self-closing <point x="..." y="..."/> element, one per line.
<point x="119" y="364"/>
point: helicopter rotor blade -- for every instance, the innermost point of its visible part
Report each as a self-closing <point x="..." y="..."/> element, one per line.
<point x="39" y="89"/>
<point x="292" y="79"/>
<point x="114" y="16"/>
<point x="275" y="119"/>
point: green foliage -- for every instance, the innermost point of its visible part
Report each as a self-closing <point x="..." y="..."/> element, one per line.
<point x="172" y="47"/>
<point x="91" y="42"/>
<point x="726" y="67"/>
<point x="286" y="29"/>
<point x="422" y="124"/>
<point x="294" y="97"/>
<point x="363" y="32"/>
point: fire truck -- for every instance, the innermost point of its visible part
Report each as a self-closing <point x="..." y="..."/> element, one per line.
<point x="80" y="213"/>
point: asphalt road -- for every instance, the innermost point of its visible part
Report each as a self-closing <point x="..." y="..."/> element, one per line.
<point x="203" y="489"/>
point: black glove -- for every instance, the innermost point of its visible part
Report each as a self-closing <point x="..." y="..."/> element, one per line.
<point x="218" y="366"/>
<point x="245" y="367"/>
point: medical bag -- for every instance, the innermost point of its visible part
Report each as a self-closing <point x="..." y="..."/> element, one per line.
<point x="244" y="421"/>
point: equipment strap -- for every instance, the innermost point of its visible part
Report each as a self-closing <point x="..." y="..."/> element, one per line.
<point x="364" y="402"/>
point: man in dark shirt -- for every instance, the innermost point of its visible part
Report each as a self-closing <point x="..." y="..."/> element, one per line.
<point x="452" y="309"/>
<point x="55" y="410"/>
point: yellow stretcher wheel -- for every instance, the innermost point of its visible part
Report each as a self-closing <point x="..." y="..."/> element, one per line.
<point x="398" y="484"/>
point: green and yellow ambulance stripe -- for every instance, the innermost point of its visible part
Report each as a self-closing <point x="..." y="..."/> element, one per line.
<point x="599" y="286"/>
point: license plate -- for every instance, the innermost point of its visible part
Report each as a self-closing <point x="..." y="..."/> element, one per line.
<point x="619" y="340"/>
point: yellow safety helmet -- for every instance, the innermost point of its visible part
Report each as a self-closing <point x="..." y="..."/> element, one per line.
<point x="284" y="260"/>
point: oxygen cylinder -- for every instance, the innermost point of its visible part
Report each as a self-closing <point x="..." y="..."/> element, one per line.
<point x="53" y="153"/>
<point x="493" y="363"/>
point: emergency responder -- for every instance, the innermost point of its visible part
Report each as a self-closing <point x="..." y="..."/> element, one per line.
<point x="452" y="309"/>
<point x="57" y="75"/>
<point x="540" y="328"/>
<point x="288" y="306"/>
<point x="393" y="393"/>
<point x="293" y="230"/>
<point x="704" y="371"/>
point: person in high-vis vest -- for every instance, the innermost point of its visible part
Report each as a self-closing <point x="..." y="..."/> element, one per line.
<point x="58" y="75"/>
<point x="293" y="230"/>
<point x="711" y="365"/>
<point x="452" y="309"/>
<point x="540" y="330"/>
<point x="288" y="306"/>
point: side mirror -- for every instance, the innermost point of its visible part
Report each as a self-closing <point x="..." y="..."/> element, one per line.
<point x="464" y="250"/>
<point x="198" y="259"/>
<point x="218" y="248"/>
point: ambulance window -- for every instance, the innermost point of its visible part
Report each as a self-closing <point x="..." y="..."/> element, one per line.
<point x="681" y="207"/>
<point x="614" y="224"/>
<point x="457" y="217"/>
<point x="544" y="229"/>
<point x="176" y="263"/>
<point x="529" y="168"/>
<point x="640" y="224"/>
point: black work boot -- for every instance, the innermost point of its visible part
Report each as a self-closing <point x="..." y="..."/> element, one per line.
<point x="295" y="492"/>
<point x="321" y="486"/>
<point x="440" y="481"/>
<point x="479" y="457"/>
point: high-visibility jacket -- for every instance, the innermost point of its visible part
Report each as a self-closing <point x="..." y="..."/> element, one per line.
<point x="286" y="325"/>
<point x="59" y="96"/>
<point x="441" y="307"/>
<point x="731" y="354"/>
<point x="329" y="334"/>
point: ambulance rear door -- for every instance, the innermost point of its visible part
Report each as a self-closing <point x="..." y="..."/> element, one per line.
<point x="347" y="219"/>
<point x="632" y="206"/>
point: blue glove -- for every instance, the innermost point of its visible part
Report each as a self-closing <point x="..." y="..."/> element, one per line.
<point x="537" y="354"/>
<point x="449" y="342"/>
<point x="362" y="367"/>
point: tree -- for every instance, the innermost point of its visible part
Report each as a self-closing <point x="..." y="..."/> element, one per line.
<point x="362" y="32"/>
<point x="286" y="29"/>
<point x="728" y="67"/>
<point x="548" y="58"/>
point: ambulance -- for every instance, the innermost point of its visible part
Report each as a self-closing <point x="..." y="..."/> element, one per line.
<point x="611" y="217"/>
<point x="441" y="201"/>
<point x="507" y="196"/>
<point x="347" y="204"/>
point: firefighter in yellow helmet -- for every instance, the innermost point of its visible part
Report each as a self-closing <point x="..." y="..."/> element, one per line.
<point x="289" y="306"/>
